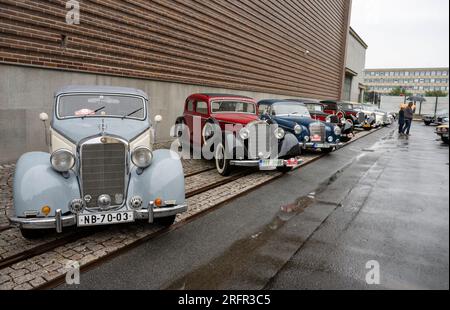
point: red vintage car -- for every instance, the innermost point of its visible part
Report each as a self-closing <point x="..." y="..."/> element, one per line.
<point x="321" y="112"/>
<point x="225" y="127"/>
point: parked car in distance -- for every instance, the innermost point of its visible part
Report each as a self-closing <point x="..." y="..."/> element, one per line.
<point x="101" y="166"/>
<point x="293" y="116"/>
<point x="369" y="116"/>
<point x="443" y="131"/>
<point x="215" y="112"/>
<point x="317" y="111"/>
<point x="437" y="119"/>
<point x="345" y="109"/>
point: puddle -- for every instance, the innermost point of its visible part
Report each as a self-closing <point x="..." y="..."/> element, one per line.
<point x="216" y="273"/>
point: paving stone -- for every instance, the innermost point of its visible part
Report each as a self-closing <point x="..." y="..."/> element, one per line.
<point x="4" y="278"/>
<point x="23" y="287"/>
<point x="37" y="282"/>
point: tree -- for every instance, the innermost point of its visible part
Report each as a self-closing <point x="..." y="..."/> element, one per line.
<point x="400" y="91"/>
<point x="436" y="93"/>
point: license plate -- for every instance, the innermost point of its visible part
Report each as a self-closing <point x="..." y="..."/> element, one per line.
<point x="97" y="219"/>
<point x="270" y="164"/>
<point x="321" y="146"/>
<point x="316" y="138"/>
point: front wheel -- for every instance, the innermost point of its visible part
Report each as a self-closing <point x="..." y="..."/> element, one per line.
<point x="223" y="165"/>
<point x="427" y="123"/>
<point x="166" y="221"/>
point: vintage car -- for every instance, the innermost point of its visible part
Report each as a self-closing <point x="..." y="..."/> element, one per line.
<point x="437" y="119"/>
<point x="317" y="111"/>
<point x="345" y="110"/>
<point x="101" y="168"/>
<point x="368" y="114"/>
<point x="227" y="129"/>
<point x="443" y="131"/>
<point x="293" y="116"/>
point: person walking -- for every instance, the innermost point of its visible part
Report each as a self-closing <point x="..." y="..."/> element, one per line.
<point x="409" y="116"/>
<point x="401" y="120"/>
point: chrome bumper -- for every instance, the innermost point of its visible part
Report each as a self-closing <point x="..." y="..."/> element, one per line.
<point x="59" y="222"/>
<point x="322" y="145"/>
<point x="245" y="163"/>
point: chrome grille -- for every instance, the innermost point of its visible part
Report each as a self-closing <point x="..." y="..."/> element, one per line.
<point x="260" y="140"/>
<point x="103" y="172"/>
<point x="317" y="131"/>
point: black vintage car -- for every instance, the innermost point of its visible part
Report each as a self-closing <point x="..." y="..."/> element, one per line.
<point x="437" y="119"/>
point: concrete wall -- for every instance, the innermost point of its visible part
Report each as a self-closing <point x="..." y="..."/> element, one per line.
<point x="392" y="104"/>
<point x="25" y="92"/>
<point x="356" y="61"/>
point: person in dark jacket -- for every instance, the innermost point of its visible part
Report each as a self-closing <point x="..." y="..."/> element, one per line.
<point x="409" y="116"/>
<point x="401" y="120"/>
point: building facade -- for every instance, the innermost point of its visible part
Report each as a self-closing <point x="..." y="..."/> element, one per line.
<point x="168" y="48"/>
<point x="354" y="84"/>
<point x="417" y="81"/>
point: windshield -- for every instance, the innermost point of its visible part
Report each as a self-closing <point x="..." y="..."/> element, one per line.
<point x="314" y="107"/>
<point x="347" y="106"/>
<point x="290" y="109"/>
<point x="233" y="106"/>
<point x="97" y="105"/>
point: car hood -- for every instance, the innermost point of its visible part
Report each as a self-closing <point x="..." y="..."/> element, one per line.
<point x="78" y="129"/>
<point x="291" y="120"/>
<point x="236" y="118"/>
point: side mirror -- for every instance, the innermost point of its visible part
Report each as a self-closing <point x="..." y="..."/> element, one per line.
<point x="43" y="117"/>
<point x="158" y="119"/>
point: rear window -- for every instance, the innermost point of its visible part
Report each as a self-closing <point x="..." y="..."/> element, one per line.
<point x="233" y="106"/>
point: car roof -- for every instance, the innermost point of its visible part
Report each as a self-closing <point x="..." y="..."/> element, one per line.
<point x="274" y="101"/>
<point x="101" y="89"/>
<point x="217" y="95"/>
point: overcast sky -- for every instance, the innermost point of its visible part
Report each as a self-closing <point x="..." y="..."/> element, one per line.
<point x="403" y="33"/>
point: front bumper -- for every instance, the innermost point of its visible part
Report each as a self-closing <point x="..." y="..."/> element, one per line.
<point x="313" y="145"/>
<point x="59" y="221"/>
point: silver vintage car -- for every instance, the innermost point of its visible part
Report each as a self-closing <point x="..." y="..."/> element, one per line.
<point x="101" y="168"/>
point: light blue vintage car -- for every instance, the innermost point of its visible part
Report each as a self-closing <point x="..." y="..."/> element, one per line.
<point x="101" y="168"/>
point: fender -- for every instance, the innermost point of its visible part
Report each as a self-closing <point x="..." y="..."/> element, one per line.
<point x="163" y="179"/>
<point x="289" y="146"/>
<point x="37" y="184"/>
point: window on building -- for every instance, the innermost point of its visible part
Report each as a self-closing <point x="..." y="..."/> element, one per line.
<point x="372" y="73"/>
<point x="443" y="88"/>
<point x="445" y="73"/>
<point x="438" y="80"/>
<point x="433" y="73"/>
<point x="422" y="73"/>
<point x="433" y="80"/>
<point x="348" y="87"/>
<point x="427" y="80"/>
<point x="428" y="73"/>
<point x="417" y="73"/>
<point x="402" y="73"/>
<point x="416" y="87"/>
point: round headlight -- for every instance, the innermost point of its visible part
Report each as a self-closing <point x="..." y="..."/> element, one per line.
<point x="298" y="129"/>
<point x="244" y="133"/>
<point x="280" y="133"/>
<point x="337" y="131"/>
<point x="62" y="160"/>
<point x="307" y="139"/>
<point x="142" y="157"/>
<point x="328" y="120"/>
<point x="330" y="139"/>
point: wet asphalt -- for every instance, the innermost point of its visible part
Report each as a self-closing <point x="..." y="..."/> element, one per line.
<point x="380" y="199"/>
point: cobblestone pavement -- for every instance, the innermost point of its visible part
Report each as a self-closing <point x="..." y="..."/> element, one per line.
<point x="40" y="269"/>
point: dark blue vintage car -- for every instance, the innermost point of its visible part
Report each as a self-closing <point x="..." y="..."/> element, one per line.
<point x="295" y="117"/>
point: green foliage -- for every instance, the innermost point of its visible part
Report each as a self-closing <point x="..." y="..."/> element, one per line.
<point x="436" y="93"/>
<point x="400" y="91"/>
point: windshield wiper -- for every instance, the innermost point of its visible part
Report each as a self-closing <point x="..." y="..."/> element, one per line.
<point x="132" y="113"/>
<point x="95" y="112"/>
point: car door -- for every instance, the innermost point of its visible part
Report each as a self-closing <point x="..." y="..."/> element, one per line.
<point x="201" y="114"/>
<point x="189" y="115"/>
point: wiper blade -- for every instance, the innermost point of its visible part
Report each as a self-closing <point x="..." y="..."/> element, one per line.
<point x="95" y="112"/>
<point x="132" y="113"/>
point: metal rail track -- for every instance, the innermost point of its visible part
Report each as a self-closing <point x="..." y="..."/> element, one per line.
<point x="72" y="237"/>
